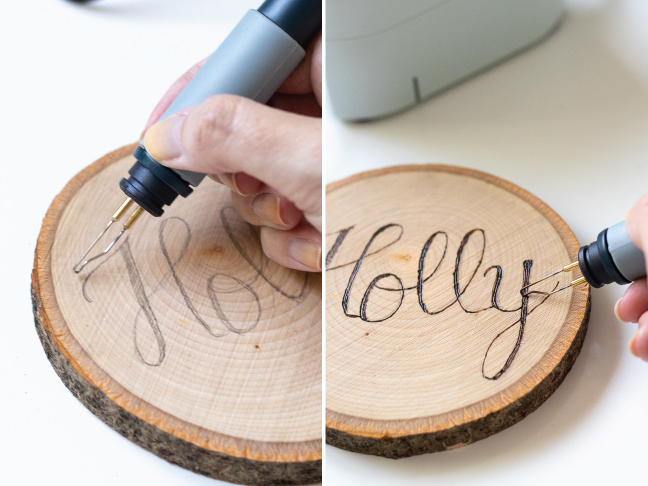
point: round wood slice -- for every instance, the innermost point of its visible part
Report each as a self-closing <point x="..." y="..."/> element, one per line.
<point x="185" y="339"/>
<point x="430" y="343"/>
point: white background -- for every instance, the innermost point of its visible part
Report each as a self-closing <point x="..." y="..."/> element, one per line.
<point x="568" y="121"/>
<point x="77" y="82"/>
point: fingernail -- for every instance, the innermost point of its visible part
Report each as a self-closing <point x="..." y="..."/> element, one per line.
<point x="236" y="186"/>
<point x="229" y="180"/>
<point x="163" y="140"/>
<point x="616" y="310"/>
<point x="245" y="184"/>
<point x="631" y="346"/>
<point x="267" y="207"/>
<point x="306" y="252"/>
<point x="240" y="183"/>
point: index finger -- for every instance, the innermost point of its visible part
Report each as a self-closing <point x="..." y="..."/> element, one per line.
<point x="634" y="303"/>
<point x="171" y="94"/>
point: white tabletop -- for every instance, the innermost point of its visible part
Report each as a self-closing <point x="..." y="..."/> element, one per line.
<point x="77" y="82"/>
<point x="568" y="121"/>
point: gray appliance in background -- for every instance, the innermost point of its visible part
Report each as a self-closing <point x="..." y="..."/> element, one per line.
<point x="384" y="56"/>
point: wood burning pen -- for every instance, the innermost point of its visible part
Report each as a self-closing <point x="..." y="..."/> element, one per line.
<point x="613" y="257"/>
<point x="253" y="61"/>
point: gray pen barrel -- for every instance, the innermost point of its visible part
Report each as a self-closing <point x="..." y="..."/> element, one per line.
<point x="253" y="61"/>
<point x="629" y="259"/>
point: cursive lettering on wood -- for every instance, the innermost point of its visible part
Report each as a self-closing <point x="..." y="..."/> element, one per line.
<point x="185" y="339"/>
<point x="459" y="291"/>
<point x="430" y="344"/>
<point x="142" y="297"/>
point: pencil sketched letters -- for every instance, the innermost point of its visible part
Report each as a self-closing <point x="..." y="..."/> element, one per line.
<point x="251" y="279"/>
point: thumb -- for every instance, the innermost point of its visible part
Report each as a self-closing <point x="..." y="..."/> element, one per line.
<point x="233" y="134"/>
<point x="637" y="225"/>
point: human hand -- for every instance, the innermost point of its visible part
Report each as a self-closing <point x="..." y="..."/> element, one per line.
<point x="270" y="156"/>
<point x="633" y="306"/>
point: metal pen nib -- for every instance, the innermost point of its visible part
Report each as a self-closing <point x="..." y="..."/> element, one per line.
<point x="115" y="217"/>
<point x="575" y="283"/>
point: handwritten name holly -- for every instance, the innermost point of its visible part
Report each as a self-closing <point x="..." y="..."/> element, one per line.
<point x="458" y="276"/>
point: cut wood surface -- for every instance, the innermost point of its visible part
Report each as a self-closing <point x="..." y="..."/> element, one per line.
<point x="430" y="343"/>
<point x="185" y="338"/>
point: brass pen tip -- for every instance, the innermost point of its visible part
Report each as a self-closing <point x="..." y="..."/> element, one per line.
<point x="525" y="292"/>
<point x="81" y="264"/>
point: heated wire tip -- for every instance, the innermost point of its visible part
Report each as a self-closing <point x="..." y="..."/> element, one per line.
<point x="115" y="217"/>
<point x="575" y="283"/>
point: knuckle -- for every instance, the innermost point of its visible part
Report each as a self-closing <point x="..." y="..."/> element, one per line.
<point x="216" y="122"/>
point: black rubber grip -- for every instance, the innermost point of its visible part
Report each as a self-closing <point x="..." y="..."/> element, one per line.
<point x="596" y="263"/>
<point x="300" y="19"/>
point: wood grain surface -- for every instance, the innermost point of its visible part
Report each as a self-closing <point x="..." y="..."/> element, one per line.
<point x="185" y="338"/>
<point x="430" y="343"/>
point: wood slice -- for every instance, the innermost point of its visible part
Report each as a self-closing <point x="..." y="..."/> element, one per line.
<point x="185" y="339"/>
<point x="430" y="343"/>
